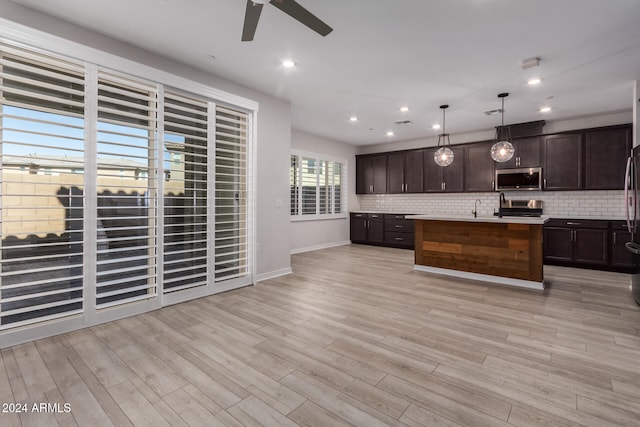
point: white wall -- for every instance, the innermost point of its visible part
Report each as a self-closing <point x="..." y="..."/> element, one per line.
<point x="273" y="130"/>
<point x="310" y="235"/>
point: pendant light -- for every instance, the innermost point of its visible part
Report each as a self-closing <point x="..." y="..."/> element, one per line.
<point x="443" y="155"/>
<point x="502" y="151"/>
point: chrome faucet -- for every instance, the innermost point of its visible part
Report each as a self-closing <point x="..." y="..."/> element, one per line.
<point x="501" y="200"/>
<point x="475" y="208"/>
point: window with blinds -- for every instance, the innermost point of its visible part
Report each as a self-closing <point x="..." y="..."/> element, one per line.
<point x="317" y="186"/>
<point x="41" y="199"/>
<point x="126" y="191"/>
<point x="232" y="178"/>
<point x="186" y="213"/>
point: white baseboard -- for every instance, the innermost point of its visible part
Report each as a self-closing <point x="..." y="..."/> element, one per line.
<point x="273" y="274"/>
<point x="482" y="277"/>
<point x="318" y="247"/>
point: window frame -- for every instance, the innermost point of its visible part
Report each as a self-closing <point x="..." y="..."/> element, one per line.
<point x="300" y="169"/>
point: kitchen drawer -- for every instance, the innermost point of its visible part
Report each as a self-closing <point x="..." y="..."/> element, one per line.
<point x="400" y="239"/>
<point x="388" y="217"/>
<point x="619" y="226"/>
<point x="399" y="226"/>
<point x="577" y="223"/>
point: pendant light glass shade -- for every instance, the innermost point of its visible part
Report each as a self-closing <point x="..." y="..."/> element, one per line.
<point x="443" y="155"/>
<point x="502" y="151"/>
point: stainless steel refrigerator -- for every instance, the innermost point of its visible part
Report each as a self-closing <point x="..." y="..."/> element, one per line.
<point x="632" y="208"/>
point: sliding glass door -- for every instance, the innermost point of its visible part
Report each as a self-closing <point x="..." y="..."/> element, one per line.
<point x="41" y="159"/>
<point x="118" y="195"/>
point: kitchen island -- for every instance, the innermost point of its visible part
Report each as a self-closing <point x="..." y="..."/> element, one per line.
<point x="505" y="250"/>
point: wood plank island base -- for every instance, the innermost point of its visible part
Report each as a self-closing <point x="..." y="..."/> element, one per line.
<point x="506" y="251"/>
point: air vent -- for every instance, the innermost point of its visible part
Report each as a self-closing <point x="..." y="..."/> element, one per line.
<point x="403" y="122"/>
<point x="492" y="112"/>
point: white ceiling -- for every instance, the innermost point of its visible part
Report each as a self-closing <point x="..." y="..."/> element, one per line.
<point x="386" y="54"/>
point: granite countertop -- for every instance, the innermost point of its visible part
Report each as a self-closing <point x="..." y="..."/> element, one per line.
<point x="459" y="217"/>
<point x="471" y="218"/>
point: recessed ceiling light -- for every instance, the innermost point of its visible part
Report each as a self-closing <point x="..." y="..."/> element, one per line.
<point x="353" y="119"/>
<point x="390" y="133"/>
<point x="288" y="63"/>
<point x="534" y="81"/>
<point x="404" y="109"/>
<point x="545" y="109"/>
<point x="436" y="126"/>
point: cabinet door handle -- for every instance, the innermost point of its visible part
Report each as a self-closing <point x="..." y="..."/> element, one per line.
<point x="544" y="183"/>
<point x="399" y="226"/>
<point x="399" y="216"/>
<point x="370" y="188"/>
<point x="399" y="238"/>
<point x="614" y="238"/>
<point x="572" y="223"/>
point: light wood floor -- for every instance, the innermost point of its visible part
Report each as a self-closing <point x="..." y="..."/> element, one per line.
<point x="354" y="336"/>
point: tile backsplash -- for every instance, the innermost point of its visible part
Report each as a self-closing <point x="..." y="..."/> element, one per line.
<point x="587" y="204"/>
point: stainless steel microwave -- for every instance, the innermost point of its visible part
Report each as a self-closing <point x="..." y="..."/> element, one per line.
<point x="519" y="179"/>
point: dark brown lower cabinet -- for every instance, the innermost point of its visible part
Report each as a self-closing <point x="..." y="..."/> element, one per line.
<point x="591" y="246"/>
<point x="398" y="231"/>
<point x="381" y="229"/>
<point x="620" y="256"/>
<point x="367" y="228"/>
<point x="558" y="244"/>
<point x="597" y="244"/>
<point x="577" y="242"/>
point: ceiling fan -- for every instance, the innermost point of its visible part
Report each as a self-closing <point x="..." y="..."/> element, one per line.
<point x="290" y="7"/>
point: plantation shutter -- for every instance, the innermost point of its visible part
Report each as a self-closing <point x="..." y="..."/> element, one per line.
<point x="309" y="186"/>
<point x="41" y="196"/>
<point x="337" y="187"/>
<point x="325" y="187"/>
<point x="186" y="213"/>
<point x="232" y="179"/>
<point x="294" y="175"/>
<point x="126" y="191"/>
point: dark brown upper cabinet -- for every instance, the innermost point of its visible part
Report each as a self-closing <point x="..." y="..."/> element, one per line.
<point x="562" y="159"/>
<point x="479" y="167"/>
<point x="405" y="171"/>
<point x="587" y="159"/>
<point x="438" y="179"/>
<point x="606" y="153"/>
<point x="371" y="174"/>
<point x="527" y="153"/>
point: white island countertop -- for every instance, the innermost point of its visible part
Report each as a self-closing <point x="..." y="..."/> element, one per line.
<point x="471" y="218"/>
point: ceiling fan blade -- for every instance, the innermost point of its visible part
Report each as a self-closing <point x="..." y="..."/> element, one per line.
<point x="251" y="17"/>
<point x="293" y="9"/>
